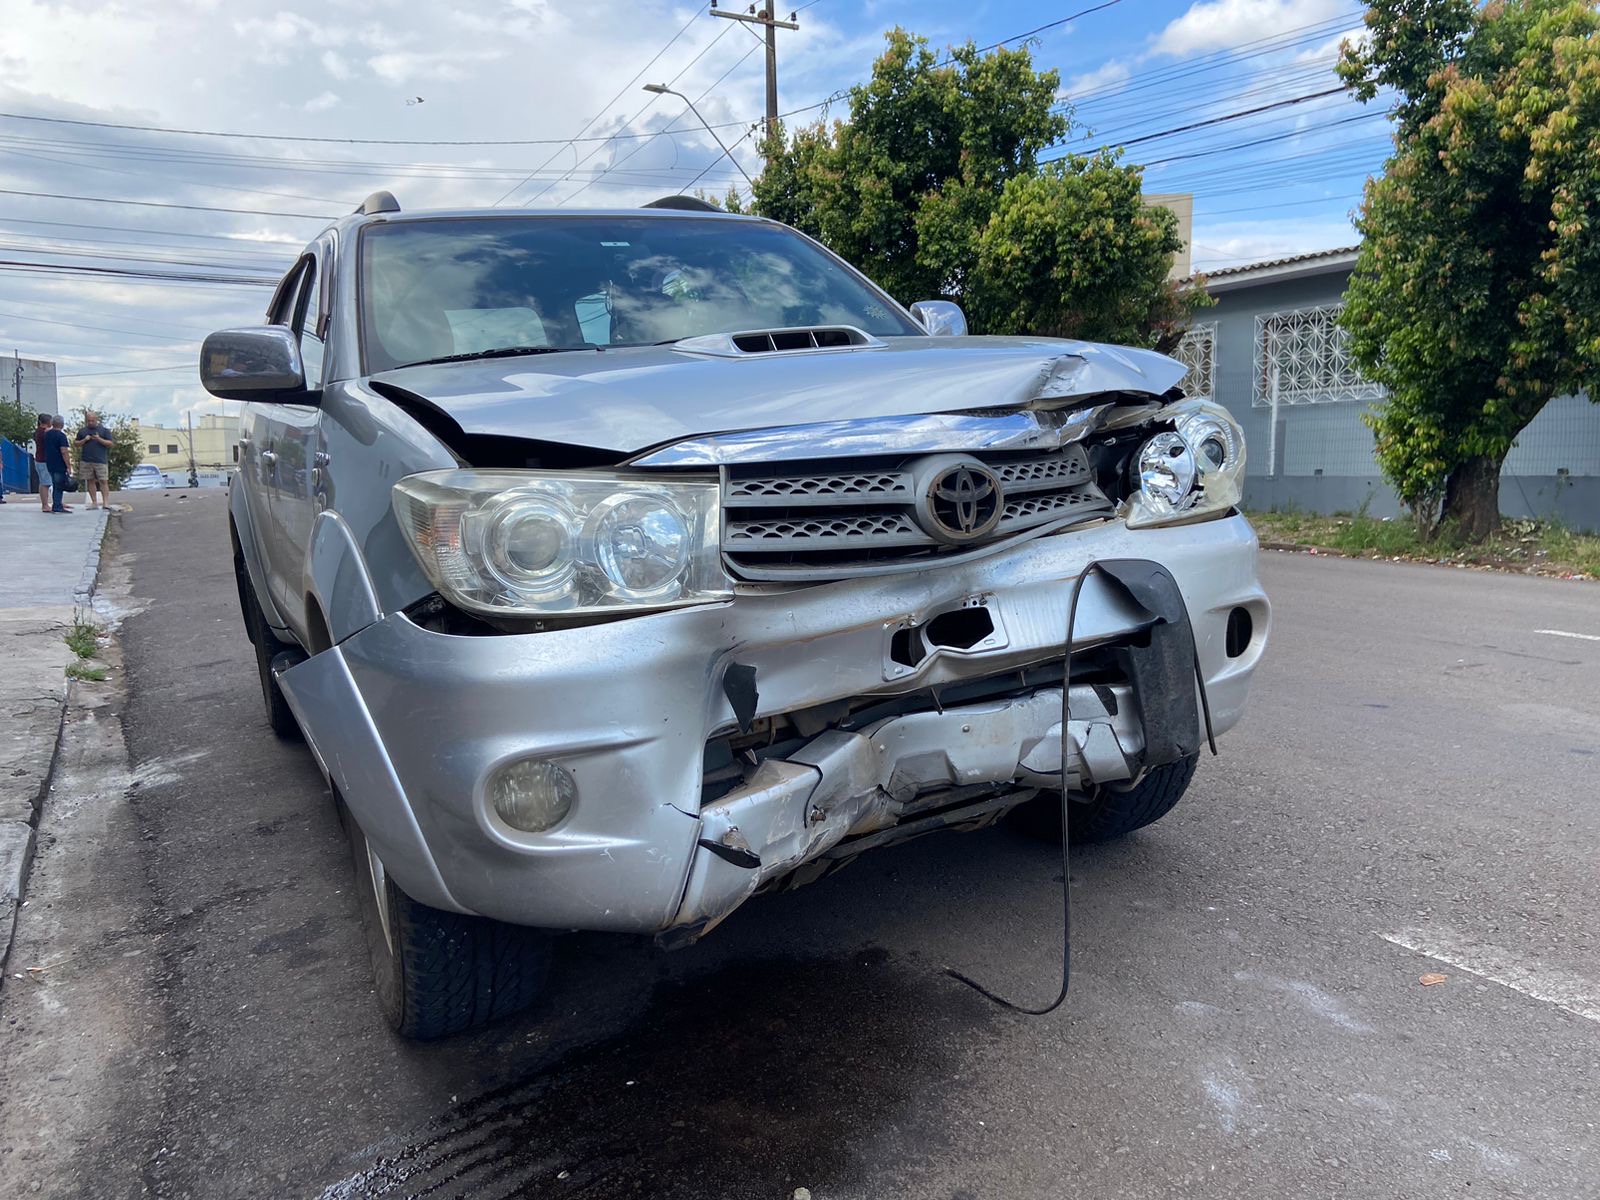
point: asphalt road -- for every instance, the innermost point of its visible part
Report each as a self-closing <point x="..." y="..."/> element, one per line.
<point x="1413" y="792"/>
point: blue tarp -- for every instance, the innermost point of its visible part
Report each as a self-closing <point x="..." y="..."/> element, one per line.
<point x="15" y="461"/>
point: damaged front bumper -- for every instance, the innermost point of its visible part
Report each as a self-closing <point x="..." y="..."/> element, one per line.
<point x="410" y="724"/>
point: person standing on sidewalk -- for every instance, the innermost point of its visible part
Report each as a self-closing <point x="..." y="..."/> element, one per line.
<point x="41" y="466"/>
<point x="94" y="440"/>
<point x="58" y="457"/>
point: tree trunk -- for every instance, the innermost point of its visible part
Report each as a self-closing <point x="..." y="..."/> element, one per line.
<point x="1472" y="497"/>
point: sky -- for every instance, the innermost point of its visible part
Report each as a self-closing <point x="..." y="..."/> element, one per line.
<point x="121" y="247"/>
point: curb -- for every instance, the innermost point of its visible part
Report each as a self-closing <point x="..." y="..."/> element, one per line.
<point x="18" y="841"/>
<point x="1320" y="551"/>
<point x="83" y="594"/>
<point x="17" y="845"/>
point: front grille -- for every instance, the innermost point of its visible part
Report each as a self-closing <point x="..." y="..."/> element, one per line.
<point x="829" y="519"/>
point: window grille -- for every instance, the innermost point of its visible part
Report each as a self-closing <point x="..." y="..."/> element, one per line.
<point x="1304" y="357"/>
<point x="1197" y="352"/>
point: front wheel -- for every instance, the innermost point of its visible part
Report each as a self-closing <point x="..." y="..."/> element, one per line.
<point x="1111" y="812"/>
<point x="267" y="647"/>
<point x="436" y="972"/>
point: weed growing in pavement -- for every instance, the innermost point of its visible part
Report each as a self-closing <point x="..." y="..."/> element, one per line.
<point x="83" y="637"/>
<point x="82" y="670"/>
<point x="1543" y="546"/>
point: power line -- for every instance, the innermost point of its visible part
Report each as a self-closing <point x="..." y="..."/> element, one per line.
<point x="252" y="212"/>
<point x="1261" y="141"/>
<point x="670" y="128"/>
<point x="586" y="125"/>
<point x="127" y="371"/>
<point x="217" y="237"/>
<point x="640" y="145"/>
<point x="288" y="137"/>
<point x="18" y="267"/>
<point x="9" y="316"/>
<point x="1048" y="25"/>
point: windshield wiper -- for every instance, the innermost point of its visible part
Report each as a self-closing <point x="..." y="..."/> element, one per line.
<point x="499" y="352"/>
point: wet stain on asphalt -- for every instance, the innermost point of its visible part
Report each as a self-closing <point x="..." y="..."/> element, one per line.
<point x="752" y="1081"/>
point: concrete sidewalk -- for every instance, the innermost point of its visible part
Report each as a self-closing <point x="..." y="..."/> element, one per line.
<point x="48" y="566"/>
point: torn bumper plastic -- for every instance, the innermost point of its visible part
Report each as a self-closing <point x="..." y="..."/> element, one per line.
<point x="410" y="724"/>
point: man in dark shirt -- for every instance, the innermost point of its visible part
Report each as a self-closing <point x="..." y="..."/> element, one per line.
<point x="95" y="460"/>
<point x="58" y="457"/>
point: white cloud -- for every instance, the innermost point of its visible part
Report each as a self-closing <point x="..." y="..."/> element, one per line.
<point x="1235" y="243"/>
<point x="321" y="103"/>
<point x="409" y="66"/>
<point x="1107" y="76"/>
<point x="1221" y="24"/>
<point x="335" y="65"/>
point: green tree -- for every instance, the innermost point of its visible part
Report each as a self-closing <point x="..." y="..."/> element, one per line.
<point x="16" y="423"/>
<point x="934" y="188"/>
<point x="902" y="189"/>
<point x="1076" y="252"/>
<point x="127" y="451"/>
<point x="1476" y="298"/>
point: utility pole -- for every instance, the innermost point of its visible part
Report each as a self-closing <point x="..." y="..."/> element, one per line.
<point x="194" y="476"/>
<point x="768" y="19"/>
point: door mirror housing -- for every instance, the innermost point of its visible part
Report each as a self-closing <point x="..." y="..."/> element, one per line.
<point x="940" y="317"/>
<point x="260" y="363"/>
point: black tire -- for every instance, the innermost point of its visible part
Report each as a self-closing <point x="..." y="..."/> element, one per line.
<point x="440" y="973"/>
<point x="267" y="646"/>
<point x="1112" y="812"/>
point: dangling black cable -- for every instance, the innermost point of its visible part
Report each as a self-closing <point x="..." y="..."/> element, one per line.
<point x="1093" y="568"/>
<point x="1066" y="877"/>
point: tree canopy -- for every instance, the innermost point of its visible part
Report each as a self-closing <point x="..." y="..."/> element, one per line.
<point x="1476" y="298"/>
<point x="934" y="187"/>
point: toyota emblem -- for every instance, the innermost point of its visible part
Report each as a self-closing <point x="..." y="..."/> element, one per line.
<point x="959" y="499"/>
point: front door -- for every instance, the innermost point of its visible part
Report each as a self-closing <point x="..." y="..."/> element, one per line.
<point x="292" y="449"/>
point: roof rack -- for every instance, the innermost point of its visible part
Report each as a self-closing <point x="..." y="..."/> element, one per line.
<point x="686" y="203"/>
<point x="379" y="202"/>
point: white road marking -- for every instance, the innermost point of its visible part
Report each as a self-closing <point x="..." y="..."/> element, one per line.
<point x="1568" y="992"/>
<point x="1582" y="637"/>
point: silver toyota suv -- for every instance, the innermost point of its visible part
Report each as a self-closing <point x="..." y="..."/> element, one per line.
<point x="620" y="565"/>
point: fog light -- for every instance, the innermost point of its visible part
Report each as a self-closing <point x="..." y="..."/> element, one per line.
<point x="532" y="795"/>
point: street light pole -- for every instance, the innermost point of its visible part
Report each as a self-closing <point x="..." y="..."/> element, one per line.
<point x="662" y="89"/>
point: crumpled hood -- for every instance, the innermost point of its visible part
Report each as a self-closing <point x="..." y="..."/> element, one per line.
<point x="632" y="399"/>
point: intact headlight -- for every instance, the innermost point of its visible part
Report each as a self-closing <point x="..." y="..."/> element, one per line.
<point x="535" y="543"/>
<point x="1193" y="468"/>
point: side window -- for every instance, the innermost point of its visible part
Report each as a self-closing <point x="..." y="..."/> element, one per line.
<point x="306" y="324"/>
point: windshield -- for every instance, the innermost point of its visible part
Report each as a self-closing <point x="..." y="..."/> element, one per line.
<point x="432" y="289"/>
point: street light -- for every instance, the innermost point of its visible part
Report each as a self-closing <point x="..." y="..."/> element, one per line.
<point x="662" y="89"/>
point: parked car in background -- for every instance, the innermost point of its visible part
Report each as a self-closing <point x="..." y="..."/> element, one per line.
<point x="146" y="476"/>
<point x="620" y="565"/>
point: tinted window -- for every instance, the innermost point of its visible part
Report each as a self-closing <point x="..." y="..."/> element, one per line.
<point x="435" y="288"/>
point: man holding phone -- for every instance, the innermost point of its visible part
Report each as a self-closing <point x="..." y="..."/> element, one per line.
<point x="95" y="442"/>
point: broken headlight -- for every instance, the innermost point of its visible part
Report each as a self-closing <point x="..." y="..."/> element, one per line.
<point x="1192" y="468"/>
<point x="536" y="543"/>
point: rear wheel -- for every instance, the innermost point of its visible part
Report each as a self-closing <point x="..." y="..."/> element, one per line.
<point x="1112" y="812"/>
<point x="436" y="972"/>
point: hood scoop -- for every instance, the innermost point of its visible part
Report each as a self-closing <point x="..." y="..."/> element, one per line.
<point x="753" y="343"/>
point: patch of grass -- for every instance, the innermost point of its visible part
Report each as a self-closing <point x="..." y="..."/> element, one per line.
<point x="82" y="670"/>
<point x="1537" y="547"/>
<point x="83" y="637"/>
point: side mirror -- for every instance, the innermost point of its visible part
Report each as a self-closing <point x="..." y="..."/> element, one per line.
<point x="940" y="317"/>
<point x="261" y="363"/>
